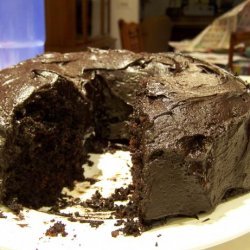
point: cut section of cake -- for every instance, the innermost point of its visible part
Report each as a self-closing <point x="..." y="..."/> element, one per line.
<point x="43" y="128"/>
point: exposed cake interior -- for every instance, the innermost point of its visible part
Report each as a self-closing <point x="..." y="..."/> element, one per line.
<point x="111" y="113"/>
<point x="45" y="151"/>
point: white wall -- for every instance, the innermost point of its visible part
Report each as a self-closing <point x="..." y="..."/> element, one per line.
<point x="95" y="17"/>
<point x="122" y="9"/>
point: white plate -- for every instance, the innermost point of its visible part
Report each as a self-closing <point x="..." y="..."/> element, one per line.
<point x="229" y="220"/>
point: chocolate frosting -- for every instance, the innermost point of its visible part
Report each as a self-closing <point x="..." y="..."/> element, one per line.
<point x="194" y="143"/>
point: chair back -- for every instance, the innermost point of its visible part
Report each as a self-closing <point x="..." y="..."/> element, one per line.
<point x="131" y="36"/>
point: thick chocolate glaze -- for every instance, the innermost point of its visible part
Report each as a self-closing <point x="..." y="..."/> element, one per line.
<point x="190" y="139"/>
<point x="194" y="139"/>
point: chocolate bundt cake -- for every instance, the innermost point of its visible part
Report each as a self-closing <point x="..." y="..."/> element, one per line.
<point x="187" y="122"/>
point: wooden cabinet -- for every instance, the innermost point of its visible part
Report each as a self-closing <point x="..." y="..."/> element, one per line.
<point x="68" y="24"/>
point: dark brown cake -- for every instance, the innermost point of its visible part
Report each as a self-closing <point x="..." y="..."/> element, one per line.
<point x="189" y="129"/>
<point x="42" y="116"/>
<point x="50" y="106"/>
<point x="190" y="140"/>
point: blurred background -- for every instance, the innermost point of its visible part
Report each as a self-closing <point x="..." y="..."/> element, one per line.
<point x="85" y="20"/>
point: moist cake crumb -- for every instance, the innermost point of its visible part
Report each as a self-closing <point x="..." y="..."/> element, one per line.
<point x="131" y="227"/>
<point x="20" y="217"/>
<point x="121" y="194"/>
<point x="89" y="163"/>
<point x="126" y="211"/>
<point x="95" y="223"/>
<point x="99" y="203"/>
<point x="23" y="225"/>
<point x="92" y="223"/>
<point x="119" y="222"/>
<point x="2" y="216"/>
<point x="57" y="229"/>
<point x="115" y="233"/>
<point x="15" y="207"/>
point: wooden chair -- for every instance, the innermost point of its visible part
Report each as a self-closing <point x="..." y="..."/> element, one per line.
<point x="131" y="36"/>
<point x="236" y="38"/>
